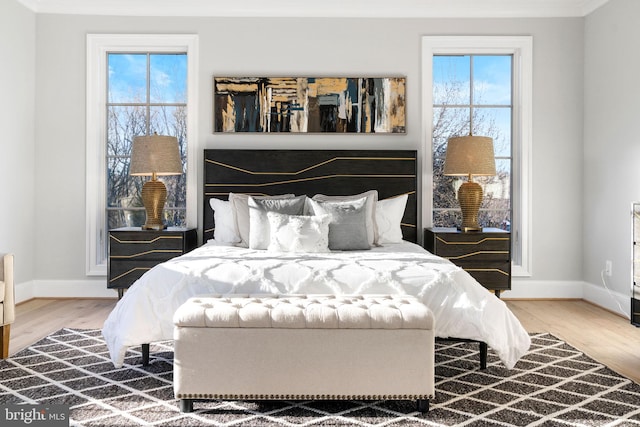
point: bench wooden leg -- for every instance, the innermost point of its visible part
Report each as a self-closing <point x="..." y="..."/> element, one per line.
<point x="423" y="405"/>
<point x="4" y="340"/>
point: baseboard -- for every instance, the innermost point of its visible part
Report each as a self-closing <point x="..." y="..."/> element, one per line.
<point x="63" y="289"/>
<point x="543" y="289"/>
<point x="23" y="292"/>
<point x="613" y="301"/>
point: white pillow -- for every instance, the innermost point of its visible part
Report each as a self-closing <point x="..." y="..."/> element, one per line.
<point x="347" y="230"/>
<point x="240" y="207"/>
<point x="297" y="233"/>
<point x="389" y="213"/>
<point x="225" y="226"/>
<point x="259" y="230"/>
<point x="370" y="206"/>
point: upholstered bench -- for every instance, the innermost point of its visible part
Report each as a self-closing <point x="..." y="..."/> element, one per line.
<point x="297" y="347"/>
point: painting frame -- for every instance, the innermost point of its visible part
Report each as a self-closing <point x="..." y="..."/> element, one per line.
<point x="345" y="105"/>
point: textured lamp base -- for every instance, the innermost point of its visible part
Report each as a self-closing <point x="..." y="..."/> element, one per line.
<point x="470" y="198"/>
<point x="154" y="196"/>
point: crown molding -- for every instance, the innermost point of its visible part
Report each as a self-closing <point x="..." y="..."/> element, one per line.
<point x="30" y="4"/>
<point x="591" y="5"/>
<point x="325" y="8"/>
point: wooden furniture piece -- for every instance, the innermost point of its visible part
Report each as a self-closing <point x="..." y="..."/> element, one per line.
<point x="353" y="347"/>
<point x="635" y="266"/>
<point x="485" y="254"/>
<point x="7" y="302"/>
<point x="133" y="251"/>
<point x="310" y="172"/>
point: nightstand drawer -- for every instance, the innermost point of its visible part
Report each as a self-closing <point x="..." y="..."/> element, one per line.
<point x="493" y="275"/>
<point x="145" y="246"/>
<point x="471" y="247"/>
<point x="123" y="273"/>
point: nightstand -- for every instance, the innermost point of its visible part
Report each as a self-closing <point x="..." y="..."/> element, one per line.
<point x="485" y="254"/>
<point x="133" y="251"/>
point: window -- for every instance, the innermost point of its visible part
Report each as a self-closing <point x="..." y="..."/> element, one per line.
<point x="472" y="94"/>
<point x="146" y="94"/>
<point x="480" y="85"/>
<point x="136" y="85"/>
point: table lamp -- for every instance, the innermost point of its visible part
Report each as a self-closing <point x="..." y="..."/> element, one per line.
<point x="470" y="156"/>
<point x="155" y="155"/>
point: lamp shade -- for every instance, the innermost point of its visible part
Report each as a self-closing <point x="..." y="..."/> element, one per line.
<point x="155" y="154"/>
<point x="470" y="155"/>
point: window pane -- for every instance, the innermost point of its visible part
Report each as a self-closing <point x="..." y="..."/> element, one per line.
<point x="176" y="190"/>
<point x="127" y="77"/>
<point x="168" y="120"/>
<point x="495" y="219"/>
<point x="168" y="80"/>
<point x="447" y="218"/>
<point x="448" y="122"/>
<point x="123" y="190"/>
<point x="445" y="188"/>
<point x="451" y="75"/>
<point x="126" y="218"/>
<point x="496" y="123"/>
<point x="497" y="193"/>
<point x="175" y="217"/>
<point x="492" y="80"/>
<point x="124" y="122"/>
<point x="136" y="217"/>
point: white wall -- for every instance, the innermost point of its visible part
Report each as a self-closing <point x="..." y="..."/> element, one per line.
<point x="309" y="47"/>
<point x="17" y="141"/>
<point x="611" y="144"/>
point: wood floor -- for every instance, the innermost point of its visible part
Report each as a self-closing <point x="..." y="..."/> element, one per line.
<point x="600" y="334"/>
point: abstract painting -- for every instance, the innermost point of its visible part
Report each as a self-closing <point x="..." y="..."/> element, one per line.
<point x="309" y="104"/>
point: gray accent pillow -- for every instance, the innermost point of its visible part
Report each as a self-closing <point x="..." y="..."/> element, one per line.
<point x="259" y="234"/>
<point x="370" y="206"/>
<point x="347" y="229"/>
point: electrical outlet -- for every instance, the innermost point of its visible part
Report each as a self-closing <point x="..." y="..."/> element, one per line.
<point x="608" y="267"/>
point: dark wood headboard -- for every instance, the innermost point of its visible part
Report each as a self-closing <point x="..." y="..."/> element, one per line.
<point x="310" y="172"/>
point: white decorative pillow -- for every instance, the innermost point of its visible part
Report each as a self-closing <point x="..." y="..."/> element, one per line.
<point x="372" y="198"/>
<point x="297" y="233"/>
<point x="347" y="230"/>
<point x="240" y="207"/>
<point x="259" y="230"/>
<point x="389" y="213"/>
<point x="225" y="230"/>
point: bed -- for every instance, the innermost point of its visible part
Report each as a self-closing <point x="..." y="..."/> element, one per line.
<point x="350" y="187"/>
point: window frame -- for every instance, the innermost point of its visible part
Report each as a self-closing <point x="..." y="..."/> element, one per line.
<point x="98" y="46"/>
<point x="521" y="47"/>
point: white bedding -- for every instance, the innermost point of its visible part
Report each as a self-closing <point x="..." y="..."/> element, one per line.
<point x="461" y="306"/>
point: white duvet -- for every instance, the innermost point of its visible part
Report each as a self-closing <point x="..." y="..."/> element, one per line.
<point x="461" y="306"/>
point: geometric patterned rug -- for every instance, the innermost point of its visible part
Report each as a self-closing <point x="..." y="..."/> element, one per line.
<point x="552" y="385"/>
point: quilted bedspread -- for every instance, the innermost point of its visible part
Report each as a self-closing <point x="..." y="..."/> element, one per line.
<point x="462" y="307"/>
